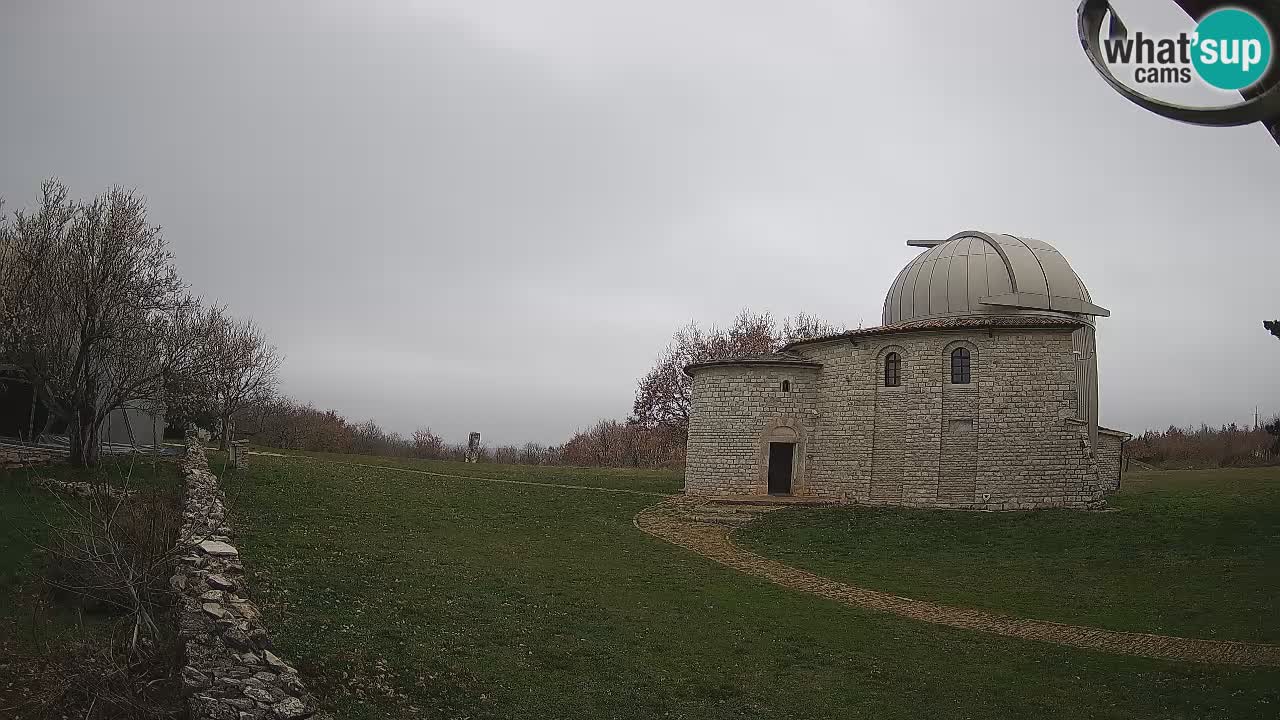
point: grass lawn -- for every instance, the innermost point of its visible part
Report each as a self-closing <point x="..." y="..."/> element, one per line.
<point x="656" y="481"/>
<point x="1194" y="553"/>
<point x="403" y="595"/>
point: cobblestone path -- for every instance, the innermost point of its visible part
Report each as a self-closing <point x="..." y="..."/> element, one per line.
<point x="704" y="528"/>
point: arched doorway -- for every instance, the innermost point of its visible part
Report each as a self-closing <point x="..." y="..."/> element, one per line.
<point x="782" y="457"/>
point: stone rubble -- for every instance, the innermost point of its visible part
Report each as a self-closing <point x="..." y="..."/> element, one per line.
<point x="12" y="457"/>
<point x="83" y="489"/>
<point x="231" y="672"/>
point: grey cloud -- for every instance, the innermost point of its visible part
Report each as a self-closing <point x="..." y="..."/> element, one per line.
<point x="491" y="215"/>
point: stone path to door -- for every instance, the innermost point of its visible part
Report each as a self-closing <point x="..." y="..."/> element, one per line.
<point x="704" y="528"/>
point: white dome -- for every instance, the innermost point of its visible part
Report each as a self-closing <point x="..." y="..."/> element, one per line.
<point x="977" y="273"/>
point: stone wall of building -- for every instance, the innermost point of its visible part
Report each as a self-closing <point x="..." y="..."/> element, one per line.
<point x="1110" y="457"/>
<point x="735" y="409"/>
<point x="1001" y="442"/>
<point x="231" y="672"/>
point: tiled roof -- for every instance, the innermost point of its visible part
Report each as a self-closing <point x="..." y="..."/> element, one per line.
<point x="952" y="323"/>
<point x="776" y="358"/>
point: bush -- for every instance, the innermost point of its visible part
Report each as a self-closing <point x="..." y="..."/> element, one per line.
<point x="283" y="423"/>
<point x="111" y="557"/>
<point x="1206" y="447"/>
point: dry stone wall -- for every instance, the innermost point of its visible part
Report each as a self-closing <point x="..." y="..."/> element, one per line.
<point x="231" y="671"/>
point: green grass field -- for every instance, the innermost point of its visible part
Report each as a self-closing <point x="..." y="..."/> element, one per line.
<point x="401" y="594"/>
<point x="1193" y="553"/>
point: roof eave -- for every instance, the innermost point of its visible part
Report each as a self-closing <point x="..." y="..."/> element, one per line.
<point x="691" y="368"/>
<point x="1030" y="324"/>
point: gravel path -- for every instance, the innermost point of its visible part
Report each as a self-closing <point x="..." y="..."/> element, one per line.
<point x="704" y="528"/>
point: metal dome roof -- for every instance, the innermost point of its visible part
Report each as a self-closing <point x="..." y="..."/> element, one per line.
<point x="978" y="273"/>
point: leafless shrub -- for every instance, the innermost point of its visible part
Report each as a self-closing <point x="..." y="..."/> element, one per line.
<point x="116" y="554"/>
<point x="610" y="443"/>
<point x="506" y="455"/>
<point x="369" y="438"/>
<point x="533" y="454"/>
<point x="111" y="557"/>
<point x="428" y="445"/>
<point x="663" y="395"/>
<point x="284" y="423"/>
<point x="99" y="678"/>
<point x="1205" y="447"/>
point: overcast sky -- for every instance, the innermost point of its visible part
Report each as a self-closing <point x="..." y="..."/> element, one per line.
<point x="481" y="215"/>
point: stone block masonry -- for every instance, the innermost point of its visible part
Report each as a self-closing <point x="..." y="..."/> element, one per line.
<point x="734" y="411"/>
<point x="231" y="670"/>
<point x="1009" y="439"/>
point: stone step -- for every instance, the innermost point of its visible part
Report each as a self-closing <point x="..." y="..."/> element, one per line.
<point x="770" y="501"/>
<point x="732" y="520"/>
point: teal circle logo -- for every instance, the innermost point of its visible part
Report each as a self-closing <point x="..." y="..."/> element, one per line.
<point x="1232" y="49"/>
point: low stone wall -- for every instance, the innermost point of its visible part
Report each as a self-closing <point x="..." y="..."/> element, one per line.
<point x="231" y="672"/>
<point x="1110" y="450"/>
<point x="12" y="456"/>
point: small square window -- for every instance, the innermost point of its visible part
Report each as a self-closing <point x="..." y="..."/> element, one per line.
<point x="786" y="386"/>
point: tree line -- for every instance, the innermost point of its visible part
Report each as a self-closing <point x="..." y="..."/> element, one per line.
<point x="1208" y="447"/>
<point x="664" y="394"/>
<point x="95" y="316"/>
<point x="287" y="424"/>
<point x="653" y="436"/>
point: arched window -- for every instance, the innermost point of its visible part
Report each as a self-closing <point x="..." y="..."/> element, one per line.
<point x="892" y="370"/>
<point x="786" y="386"/>
<point x="960" y="366"/>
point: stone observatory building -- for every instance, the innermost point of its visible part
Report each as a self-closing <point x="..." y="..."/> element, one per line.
<point x="979" y="391"/>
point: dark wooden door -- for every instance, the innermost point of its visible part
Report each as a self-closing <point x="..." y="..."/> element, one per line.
<point x="780" y="456"/>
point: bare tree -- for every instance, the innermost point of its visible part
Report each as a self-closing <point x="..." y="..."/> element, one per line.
<point x="533" y="454"/>
<point x="506" y="455"/>
<point x="427" y="444"/>
<point x="803" y="326"/>
<point x="245" y="369"/>
<point x="663" y="396"/>
<point x="95" y="315"/>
